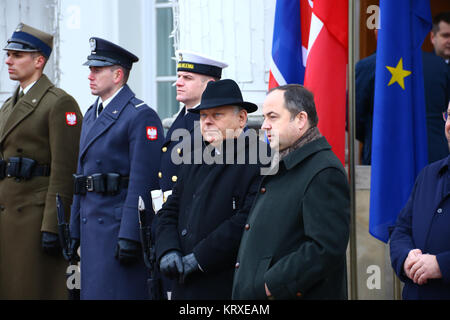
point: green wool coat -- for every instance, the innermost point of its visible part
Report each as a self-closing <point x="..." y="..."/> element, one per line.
<point x="43" y="125"/>
<point x="297" y="231"/>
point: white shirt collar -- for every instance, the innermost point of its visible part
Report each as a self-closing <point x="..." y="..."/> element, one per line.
<point x="107" y="101"/>
<point x="27" y="88"/>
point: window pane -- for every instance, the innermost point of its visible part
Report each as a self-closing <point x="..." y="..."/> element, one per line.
<point x="164" y="46"/>
<point x="167" y="103"/>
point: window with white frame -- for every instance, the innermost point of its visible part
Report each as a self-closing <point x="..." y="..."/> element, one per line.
<point x="165" y="67"/>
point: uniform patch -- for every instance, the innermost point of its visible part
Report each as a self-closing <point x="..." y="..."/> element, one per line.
<point x="152" y="133"/>
<point x="71" y="118"/>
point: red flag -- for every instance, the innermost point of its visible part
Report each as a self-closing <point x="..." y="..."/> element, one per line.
<point x="326" y="69"/>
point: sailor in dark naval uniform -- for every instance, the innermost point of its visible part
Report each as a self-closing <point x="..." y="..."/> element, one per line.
<point x="119" y="158"/>
<point x="194" y="73"/>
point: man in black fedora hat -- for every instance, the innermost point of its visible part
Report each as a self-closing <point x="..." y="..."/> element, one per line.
<point x="200" y="225"/>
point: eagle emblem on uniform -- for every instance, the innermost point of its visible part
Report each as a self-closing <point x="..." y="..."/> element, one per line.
<point x="152" y="133"/>
<point x="71" y="118"/>
<point x="93" y="45"/>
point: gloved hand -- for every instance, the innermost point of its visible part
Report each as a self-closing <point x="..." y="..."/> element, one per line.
<point x="72" y="254"/>
<point x="190" y="265"/>
<point x="50" y="243"/>
<point x="171" y="265"/>
<point x="128" y="251"/>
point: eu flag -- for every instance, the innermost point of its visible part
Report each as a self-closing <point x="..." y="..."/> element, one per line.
<point x="399" y="142"/>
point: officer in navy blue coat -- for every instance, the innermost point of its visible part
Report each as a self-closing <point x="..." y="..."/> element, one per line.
<point x="194" y="71"/>
<point x="119" y="156"/>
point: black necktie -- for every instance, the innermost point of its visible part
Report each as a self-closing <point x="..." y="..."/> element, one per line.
<point x="100" y="109"/>
<point x="21" y="94"/>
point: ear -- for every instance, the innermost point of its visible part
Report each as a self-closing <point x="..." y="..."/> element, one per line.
<point x="118" y="75"/>
<point x="40" y="62"/>
<point x="242" y="118"/>
<point x="302" y="120"/>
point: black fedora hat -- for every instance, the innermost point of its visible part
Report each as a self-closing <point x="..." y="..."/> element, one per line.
<point x="223" y="93"/>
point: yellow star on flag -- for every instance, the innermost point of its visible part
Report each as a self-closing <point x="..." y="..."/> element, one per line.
<point x="398" y="74"/>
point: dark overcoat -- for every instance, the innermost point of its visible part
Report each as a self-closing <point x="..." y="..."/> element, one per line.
<point x="168" y="172"/>
<point x="43" y="125"/>
<point x="118" y="141"/>
<point x="297" y="232"/>
<point x="205" y="215"/>
<point x="424" y="223"/>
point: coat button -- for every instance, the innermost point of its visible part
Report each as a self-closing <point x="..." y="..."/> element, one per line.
<point x="237" y="265"/>
<point x="98" y="162"/>
<point x="84" y="220"/>
<point x="174" y="179"/>
<point x="100" y="220"/>
<point x="439" y="210"/>
<point x="160" y="174"/>
<point x="263" y="190"/>
<point x="164" y="149"/>
<point x="247" y="226"/>
<point x="298" y="294"/>
<point x="183" y="232"/>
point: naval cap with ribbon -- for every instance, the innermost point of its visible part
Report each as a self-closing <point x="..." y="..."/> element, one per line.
<point x="29" y="39"/>
<point x="105" y="53"/>
<point x="197" y="63"/>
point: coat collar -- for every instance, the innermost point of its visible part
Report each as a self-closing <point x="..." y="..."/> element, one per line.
<point x="27" y="104"/>
<point x="297" y="156"/>
<point x="96" y="127"/>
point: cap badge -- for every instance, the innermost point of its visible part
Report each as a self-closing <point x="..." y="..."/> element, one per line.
<point x="180" y="56"/>
<point x="93" y="45"/>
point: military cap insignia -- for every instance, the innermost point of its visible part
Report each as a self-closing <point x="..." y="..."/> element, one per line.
<point x="180" y="56"/>
<point x="19" y="27"/>
<point x="93" y="45"/>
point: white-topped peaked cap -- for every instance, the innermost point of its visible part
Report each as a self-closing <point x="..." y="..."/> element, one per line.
<point x="194" y="62"/>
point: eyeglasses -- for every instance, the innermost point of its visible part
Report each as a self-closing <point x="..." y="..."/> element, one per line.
<point x="445" y="116"/>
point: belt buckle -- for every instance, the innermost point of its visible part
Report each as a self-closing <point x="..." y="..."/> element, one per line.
<point x="89" y="184"/>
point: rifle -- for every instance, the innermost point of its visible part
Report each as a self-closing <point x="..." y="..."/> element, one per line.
<point x="64" y="238"/>
<point x="154" y="281"/>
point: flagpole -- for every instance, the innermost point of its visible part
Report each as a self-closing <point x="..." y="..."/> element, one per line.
<point x="351" y="149"/>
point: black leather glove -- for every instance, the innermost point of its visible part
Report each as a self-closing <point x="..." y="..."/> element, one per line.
<point x="73" y="248"/>
<point x="128" y="251"/>
<point x="50" y="243"/>
<point x="171" y="265"/>
<point x="190" y="265"/>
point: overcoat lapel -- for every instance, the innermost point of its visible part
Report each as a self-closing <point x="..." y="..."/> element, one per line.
<point x="26" y="105"/>
<point x="96" y="127"/>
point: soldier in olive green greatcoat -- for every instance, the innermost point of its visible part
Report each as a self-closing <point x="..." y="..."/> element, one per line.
<point x="39" y="134"/>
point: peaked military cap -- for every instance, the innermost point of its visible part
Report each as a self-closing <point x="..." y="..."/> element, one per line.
<point x="223" y="93"/>
<point x="105" y="53"/>
<point x="29" y="39"/>
<point x="194" y="62"/>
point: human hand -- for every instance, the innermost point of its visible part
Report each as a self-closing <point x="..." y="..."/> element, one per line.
<point x="412" y="258"/>
<point x="426" y="267"/>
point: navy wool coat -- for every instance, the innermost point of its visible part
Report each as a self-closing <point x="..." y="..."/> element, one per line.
<point x="121" y="140"/>
<point x="424" y="223"/>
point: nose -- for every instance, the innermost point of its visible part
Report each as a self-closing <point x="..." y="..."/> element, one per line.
<point x="179" y="82"/>
<point x="90" y="76"/>
<point x="8" y="60"/>
<point x="265" y="125"/>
